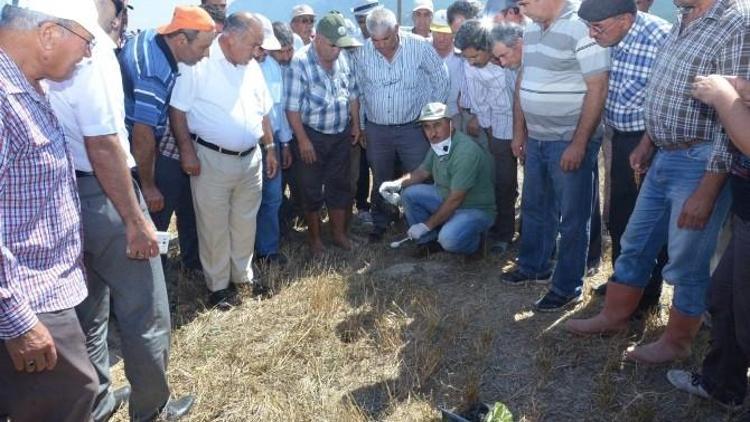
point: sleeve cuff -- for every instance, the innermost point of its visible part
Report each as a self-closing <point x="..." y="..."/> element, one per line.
<point x="16" y="318"/>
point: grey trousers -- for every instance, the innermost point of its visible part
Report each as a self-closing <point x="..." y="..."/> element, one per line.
<point x="65" y="393"/>
<point x="386" y="146"/>
<point x="135" y="292"/>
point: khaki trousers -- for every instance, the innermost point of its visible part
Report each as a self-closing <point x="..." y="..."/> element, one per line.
<point x="227" y="196"/>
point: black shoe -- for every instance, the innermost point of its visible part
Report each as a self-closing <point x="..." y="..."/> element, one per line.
<point x="376" y="236"/>
<point x="176" y="409"/>
<point x="518" y="278"/>
<point x="224" y="299"/>
<point x="424" y="250"/>
<point x="553" y="302"/>
<point x="121" y="396"/>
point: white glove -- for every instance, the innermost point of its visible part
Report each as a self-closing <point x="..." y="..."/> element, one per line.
<point x="418" y="230"/>
<point x="389" y="191"/>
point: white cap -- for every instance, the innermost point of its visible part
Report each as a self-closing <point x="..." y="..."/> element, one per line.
<point x="270" y="42"/>
<point x="302" y="10"/>
<point x="82" y="12"/>
<point x="440" y="22"/>
<point x="423" y="4"/>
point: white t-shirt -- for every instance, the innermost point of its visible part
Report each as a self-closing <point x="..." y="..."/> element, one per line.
<point x="92" y="102"/>
<point x="225" y="104"/>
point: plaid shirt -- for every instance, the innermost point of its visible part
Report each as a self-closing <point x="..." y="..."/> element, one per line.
<point x="632" y="60"/>
<point x="712" y="44"/>
<point x="168" y="144"/>
<point x="40" y="228"/>
<point x="322" y="98"/>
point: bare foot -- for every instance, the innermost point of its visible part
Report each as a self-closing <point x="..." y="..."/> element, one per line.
<point x="598" y="325"/>
<point x="660" y="351"/>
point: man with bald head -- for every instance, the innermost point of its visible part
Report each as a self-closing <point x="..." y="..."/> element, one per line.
<point x="45" y="372"/>
<point x="223" y="103"/>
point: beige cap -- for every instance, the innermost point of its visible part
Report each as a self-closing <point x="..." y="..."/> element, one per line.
<point x="302" y="10"/>
<point x="433" y="111"/>
<point x="440" y="22"/>
<point x="82" y="12"/>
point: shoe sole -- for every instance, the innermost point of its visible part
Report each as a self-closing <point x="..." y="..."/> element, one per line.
<point x="570" y="304"/>
<point x="537" y="281"/>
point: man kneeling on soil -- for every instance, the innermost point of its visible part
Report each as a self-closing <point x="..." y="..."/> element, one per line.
<point x="460" y="206"/>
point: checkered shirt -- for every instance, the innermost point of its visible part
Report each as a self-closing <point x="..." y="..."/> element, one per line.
<point x="40" y="228"/>
<point x="712" y="44"/>
<point x="632" y="59"/>
<point x="168" y="144"/>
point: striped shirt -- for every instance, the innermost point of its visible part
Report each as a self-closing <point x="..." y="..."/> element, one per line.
<point x="40" y="228"/>
<point x="149" y="71"/>
<point x="632" y="60"/>
<point x="394" y="92"/>
<point x="556" y="62"/>
<point x="454" y="63"/>
<point x="321" y="97"/>
<point x="492" y="87"/>
<point x="712" y="44"/>
<point x="274" y="76"/>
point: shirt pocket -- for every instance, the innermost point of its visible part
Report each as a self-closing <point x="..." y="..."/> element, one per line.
<point x="319" y="94"/>
<point x="632" y="93"/>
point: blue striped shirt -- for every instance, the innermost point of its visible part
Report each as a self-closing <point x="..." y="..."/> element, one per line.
<point x="393" y="93"/>
<point x="149" y="72"/>
<point x="322" y="98"/>
<point x="274" y="76"/>
<point x="632" y="59"/>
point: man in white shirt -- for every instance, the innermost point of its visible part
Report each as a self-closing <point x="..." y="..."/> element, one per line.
<point x="124" y="272"/>
<point x="224" y="101"/>
<point x="491" y="89"/>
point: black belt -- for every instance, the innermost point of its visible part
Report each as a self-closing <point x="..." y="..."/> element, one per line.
<point x="217" y="148"/>
<point x="80" y="173"/>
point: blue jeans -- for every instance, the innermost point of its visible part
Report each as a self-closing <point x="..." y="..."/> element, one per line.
<point x="555" y="201"/>
<point x="462" y="232"/>
<point x="267" y="230"/>
<point x="671" y="180"/>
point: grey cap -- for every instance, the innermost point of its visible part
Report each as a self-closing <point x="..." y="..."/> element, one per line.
<point x="433" y="111"/>
<point x="598" y="10"/>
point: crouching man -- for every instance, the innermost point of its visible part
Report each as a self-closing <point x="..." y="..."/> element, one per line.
<point x="460" y="205"/>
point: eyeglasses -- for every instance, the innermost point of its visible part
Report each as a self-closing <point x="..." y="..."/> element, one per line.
<point x="598" y="28"/>
<point x="90" y="43"/>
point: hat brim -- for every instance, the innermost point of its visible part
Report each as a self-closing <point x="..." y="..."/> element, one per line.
<point x="431" y="118"/>
<point x="271" y="44"/>
<point x="347" y="42"/>
<point x="422" y="8"/>
<point x="445" y="29"/>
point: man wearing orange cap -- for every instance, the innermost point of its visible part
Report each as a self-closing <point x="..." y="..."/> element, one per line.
<point x="149" y="70"/>
<point x="149" y="65"/>
<point x="45" y="373"/>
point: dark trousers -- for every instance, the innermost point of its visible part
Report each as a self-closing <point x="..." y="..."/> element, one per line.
<point x="134" y="291"/>
<point x="327" y="180"/>
<point x="506" y="189"/>
<point x="623" y="195"/>
<point x="65" y="393"/>
<point x="388" y="146"/>
<point x="594" y="257"/>
<point x="174" y="184"/>
<point x="725" y="366"/>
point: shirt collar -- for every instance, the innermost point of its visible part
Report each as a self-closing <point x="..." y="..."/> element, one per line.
<point x="314" y="58"/>
<point x="632" y="35"/>
<point x="162" y="44"/>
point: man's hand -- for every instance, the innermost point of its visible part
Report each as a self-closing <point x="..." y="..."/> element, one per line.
<point x="518" y="145"/>
<point x="306" y="151"/>
<point x="272" y="164"/>
<point x="154" y="199"/>
<point x="141" y="238"/>
<point x="392" y="186"/>
<point x="708" y="88"/>
<point x="742" y="86"/>
<point x="473" y="128"/>
<point x="418" y="230"/>
<point x="696" y="211"/>
<point x="34" y="351"/>
<point x="191" y="165"/>
<point x="362" y="139"/>
<point x="286" y="157"/>
<point x="640" y="158"/>
<point x="572" y="157"/>
<point x="357" y="135"/>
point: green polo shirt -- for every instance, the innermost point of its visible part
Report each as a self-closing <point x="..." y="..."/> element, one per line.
<point x="466" y="168"/>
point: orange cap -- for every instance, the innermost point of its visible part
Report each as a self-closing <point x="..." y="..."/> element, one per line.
<point x="188" y="17"/>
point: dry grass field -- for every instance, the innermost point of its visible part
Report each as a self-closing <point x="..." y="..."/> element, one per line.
<point x="375" y="335"/>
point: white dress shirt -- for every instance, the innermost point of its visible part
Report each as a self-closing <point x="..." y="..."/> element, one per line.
<point x="491" y="90"/>
<point x="92" y="103"/>
<point x="225" y="104"/>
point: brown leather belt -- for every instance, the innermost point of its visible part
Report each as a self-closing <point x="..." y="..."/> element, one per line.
<point x="682" y="145"/>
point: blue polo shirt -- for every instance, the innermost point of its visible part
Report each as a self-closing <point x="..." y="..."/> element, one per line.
<point x="149" y="71"/>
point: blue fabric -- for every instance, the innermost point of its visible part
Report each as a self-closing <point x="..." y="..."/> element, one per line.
<point x="671" y="180"/>
<point x="149" y="72"/>
<point x="552" y="204"/>
<point x="267" y="232"/>
<point x="462" y="232"/>
<point x="274" y="77"/>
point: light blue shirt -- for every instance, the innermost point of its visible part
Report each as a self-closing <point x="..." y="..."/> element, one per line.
<point x="274" y="76"/>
